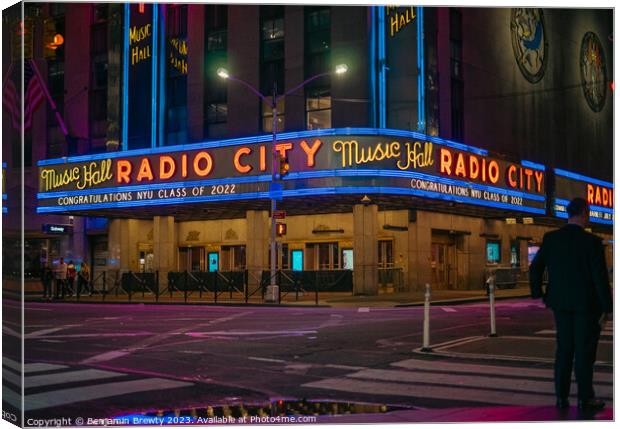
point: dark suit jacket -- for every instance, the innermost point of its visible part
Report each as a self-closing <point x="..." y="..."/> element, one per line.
<point x="578" y="279"/>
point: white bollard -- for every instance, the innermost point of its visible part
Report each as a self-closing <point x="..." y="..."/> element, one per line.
<point x="491" y="282"/>
<point x="427" y="312"/>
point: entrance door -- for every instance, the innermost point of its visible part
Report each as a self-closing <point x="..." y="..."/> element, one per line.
<point x="347" y="259"/>
<point x="214" y="261"/>
<point x="443" y="261"/>
<point x="191" y="258"/>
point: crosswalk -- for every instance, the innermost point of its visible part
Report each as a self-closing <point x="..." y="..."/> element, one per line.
<point x="51" y="385"/>
<point x="606" y="333"/>
<point x="443" y="380"/>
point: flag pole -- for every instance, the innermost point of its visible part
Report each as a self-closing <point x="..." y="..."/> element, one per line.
<point x="49" y="98"/>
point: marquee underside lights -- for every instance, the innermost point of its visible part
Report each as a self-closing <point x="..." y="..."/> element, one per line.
<point x="323" y="162"/>
<point x="598" y="193"/>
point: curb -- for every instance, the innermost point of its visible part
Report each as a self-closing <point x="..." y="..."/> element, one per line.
<point x="462" y="300"/>
<point x="207" y="304"/>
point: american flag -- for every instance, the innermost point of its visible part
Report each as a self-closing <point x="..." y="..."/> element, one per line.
<point x="33" y="97"/>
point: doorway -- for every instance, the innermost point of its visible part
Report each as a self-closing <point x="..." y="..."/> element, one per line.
<point x="214" y="261"/>
<point x="443" y="261"/>
<point x="191" y="258"/>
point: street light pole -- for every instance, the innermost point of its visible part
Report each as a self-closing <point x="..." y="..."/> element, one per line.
<point x="223" y="73"/>
<point x="274" y="166"/>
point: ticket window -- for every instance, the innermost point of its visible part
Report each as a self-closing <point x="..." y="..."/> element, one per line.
<point x="191" y="258"/>
<point x="386" y="254"/>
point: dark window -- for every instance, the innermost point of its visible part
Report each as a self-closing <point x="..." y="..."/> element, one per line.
<point x="317" y="59"/>
<point x="98" y="96"/>
<point x="216" y="98"/>
<point x="176" y="76"/>
<point x="272" y="63"/>
<point x="456" y="73"/>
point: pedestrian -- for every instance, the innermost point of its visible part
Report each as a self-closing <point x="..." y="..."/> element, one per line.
<point x="61" y="278"/>
<point x="71" y="273"/>
<point x="83" y="280"/>
<point x="578" y="292"/>
<point x="47" y="276"/>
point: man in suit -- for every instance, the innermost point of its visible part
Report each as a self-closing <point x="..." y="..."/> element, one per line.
<point x="578" y="292"/>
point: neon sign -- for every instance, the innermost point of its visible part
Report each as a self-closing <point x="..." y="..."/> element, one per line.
<point x="599" y="195"/>
<point x="241" y="169"/>
<point x="399" y="19"/>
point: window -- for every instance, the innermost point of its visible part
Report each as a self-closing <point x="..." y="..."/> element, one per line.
<point x="347" y="259"/>
<point x="515" y="254"/>
<point x="493" y="252"/>
<point x="532" y="250"/>
<point x="98" y="97"/>
<point x="176" y="79"/>
<point x="386" y="254"/>
<point x="317" y="59"/>
<point x="216" y="97"/>
<point x="272" y="63"/>
<point x="456" y="72"/>
<point x="318" y="109"/>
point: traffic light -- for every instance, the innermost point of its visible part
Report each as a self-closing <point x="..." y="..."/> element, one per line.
<point x="280" y="229"/>
<point x="283" y="166"/>
<point x="52" y="40"/>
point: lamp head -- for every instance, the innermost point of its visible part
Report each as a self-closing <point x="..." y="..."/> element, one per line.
<point x="341" y="68"/>
<point x="223" y="73"/>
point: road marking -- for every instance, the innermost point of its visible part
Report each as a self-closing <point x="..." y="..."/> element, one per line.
<point x="11" y="364"/>
<point x="69" y="377"/>
<point x="426" y="391"/>
<point x="363" y="310"/>
<point x="292" y="333"/>
<point x="448" y="309"/>
<point x="11" y="377"/>
<point x="40" y="367"/>
<point x="11" y="332"/>
<point x="44" y="332"/>
<point x="604" y="332"/>
<point x="266" y="359"/>
<point x="419" y="364"/>
<point x="11" y="397"/>
<point x="88" y="393"/>
<point x="476" y="381"/>
<point x="115" y="354"/>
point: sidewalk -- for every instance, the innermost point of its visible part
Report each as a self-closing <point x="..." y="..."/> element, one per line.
<point x="397" y="299"/>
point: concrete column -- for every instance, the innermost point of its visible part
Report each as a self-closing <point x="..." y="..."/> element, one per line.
<point x="164" y="245"/>
<point x="365" y="252"/>
<point x="257" y="245"/>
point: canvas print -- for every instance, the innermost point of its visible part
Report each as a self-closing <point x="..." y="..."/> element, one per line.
<point x="306" y="214"/>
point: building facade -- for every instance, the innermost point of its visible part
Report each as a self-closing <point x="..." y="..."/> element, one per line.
<point x="448" y="148"/>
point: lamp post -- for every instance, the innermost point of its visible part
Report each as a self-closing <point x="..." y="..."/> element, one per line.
<point x="224" y="74"/>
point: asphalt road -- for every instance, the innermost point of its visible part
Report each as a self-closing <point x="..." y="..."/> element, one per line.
<point x="104" y="360"/>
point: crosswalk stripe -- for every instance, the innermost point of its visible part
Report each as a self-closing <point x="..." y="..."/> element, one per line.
<point x="448" y="309"/>
<point x="418" y="364"/>
<point x="11" y="377"/>
<point x="604" y="332"/>
<point x="11" y="363"/>
<point x="40" y="367"/>
<point x="11" y="397"/>
<point x="477" y="381"/>
<point x="98" y="391"/>
<point x="430" y="392"/>
<point x="69" y="377"/>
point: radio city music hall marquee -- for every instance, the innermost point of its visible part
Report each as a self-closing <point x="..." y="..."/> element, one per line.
<point x="209" y="171"/>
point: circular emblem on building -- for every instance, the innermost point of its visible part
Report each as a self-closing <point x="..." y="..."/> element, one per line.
<point x="529" y="42"/>
<point x="593" y="71"/>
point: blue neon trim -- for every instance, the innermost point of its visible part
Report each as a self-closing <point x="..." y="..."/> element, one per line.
<point x="5" y="210"/>
<point x="124" y="144"/>
<point x="162" y="75"/>
<point x="421" y="77"/>
<point x="4" y="165"/>
<point x="533" y="165"/>
<point x="404" y="191"/>
<point x="372" y="70"/>
<point x="264" y="139"/>
<point x="290" y="193"/>
<point x="564" y="215"/>
<point x="154" y="66"/>
<point x="410" y="175"/>
<point x="155" y="186"/>
<point x="4" y="197"/>
<point x="381" y="61"/>
<point x="582" y="178"/>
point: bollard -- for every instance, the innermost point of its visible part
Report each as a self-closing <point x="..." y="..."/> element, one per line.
<point x="491" y="282"/>
<point x="427" y="312"/>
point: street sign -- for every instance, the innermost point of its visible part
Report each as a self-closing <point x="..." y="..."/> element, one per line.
<point x="279" y="214"/>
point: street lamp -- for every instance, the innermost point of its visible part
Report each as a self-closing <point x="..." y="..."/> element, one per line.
<point x="224" y="74"/>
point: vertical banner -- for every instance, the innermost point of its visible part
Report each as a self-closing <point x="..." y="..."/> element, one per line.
<point x="141" y="89"/>
<point x="402" y="52"/>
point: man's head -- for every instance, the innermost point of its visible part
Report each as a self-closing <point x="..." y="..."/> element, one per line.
<point x="62" y="260"/>
<point x="577" y="211"/>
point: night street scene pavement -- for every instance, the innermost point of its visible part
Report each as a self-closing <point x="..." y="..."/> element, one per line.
<point x="334" y="365"/>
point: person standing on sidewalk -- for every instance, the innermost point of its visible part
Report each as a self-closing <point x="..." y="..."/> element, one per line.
<point x="578" y="292"/>
<point x="61" y="278"/>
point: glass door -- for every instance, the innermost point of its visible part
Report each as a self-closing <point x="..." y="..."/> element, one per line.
<point x="214" y="261"/>
<point x="297" y="257"/>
